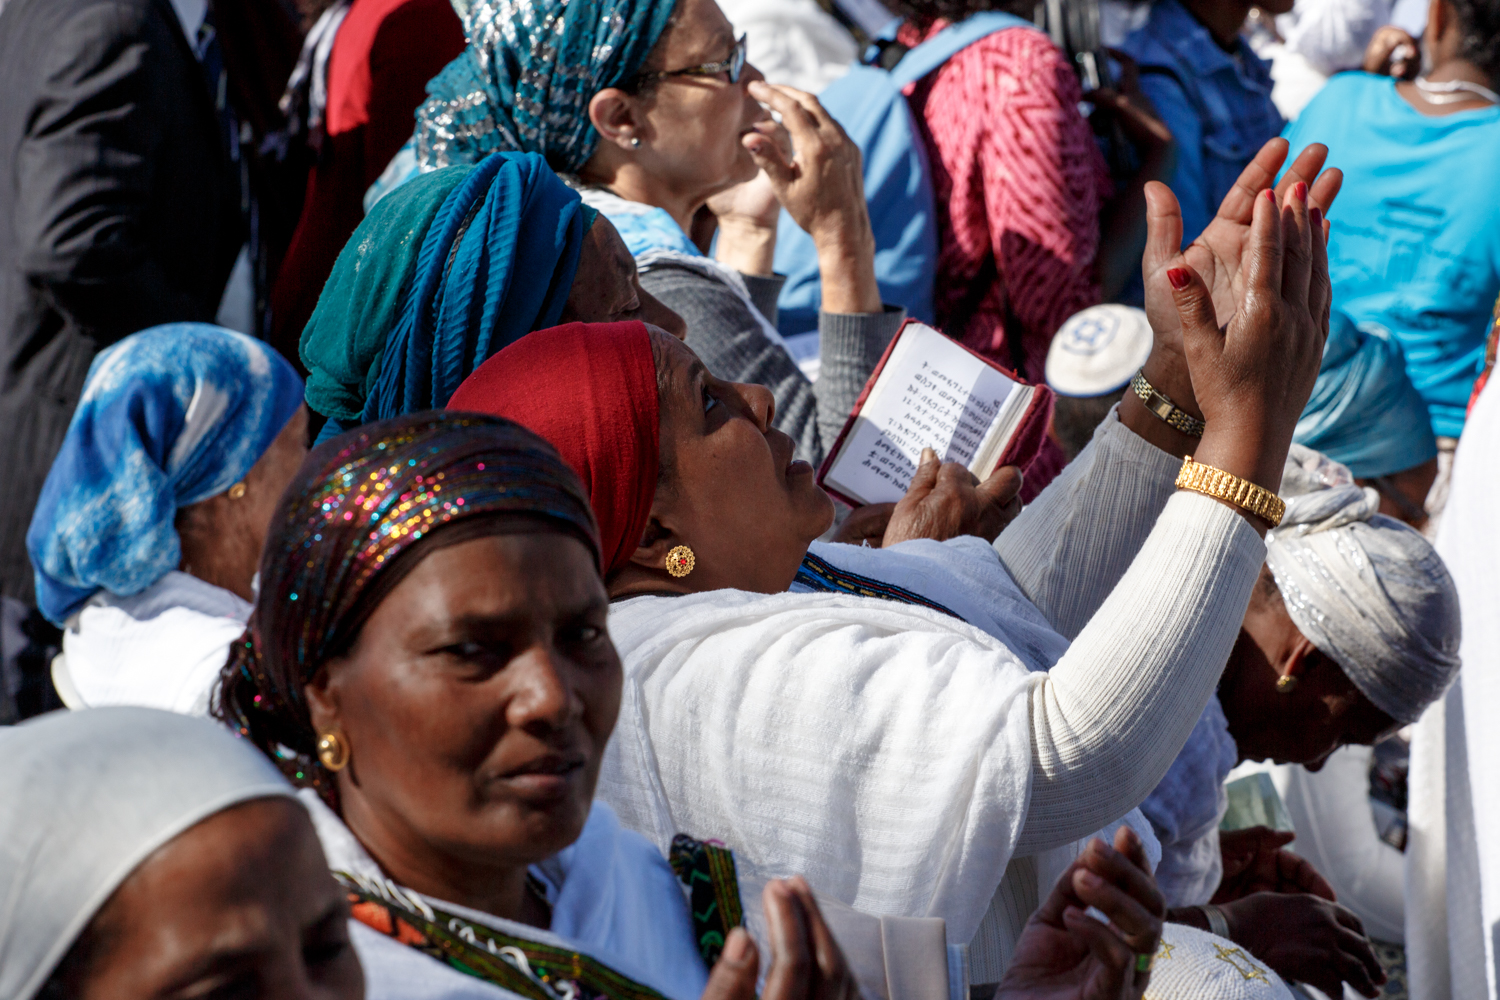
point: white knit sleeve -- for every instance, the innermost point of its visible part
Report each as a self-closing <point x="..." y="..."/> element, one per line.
<point x="1110" y="717"/>
<point x="1072" y="544"/>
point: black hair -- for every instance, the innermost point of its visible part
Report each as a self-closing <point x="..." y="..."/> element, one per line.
<point x="1479" y="24"/>
<point x="924" y="12"/>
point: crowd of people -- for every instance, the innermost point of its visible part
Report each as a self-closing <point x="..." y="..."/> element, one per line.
<point x="417" y="581"/>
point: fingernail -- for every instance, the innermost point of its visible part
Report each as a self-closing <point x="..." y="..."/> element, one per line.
<point x="1089" y="878"/>
<point x="1179" y="277"/>
<point x="1315" y="216"/>
<point x="1270" y="196"/>
<point x="1299" y="191"/>
<point x="736" y="946"/>
<point x="928" y="455"/>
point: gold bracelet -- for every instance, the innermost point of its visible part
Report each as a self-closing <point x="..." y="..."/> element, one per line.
<point x="1176" y="417"/>
<point x="1220" y="485"/>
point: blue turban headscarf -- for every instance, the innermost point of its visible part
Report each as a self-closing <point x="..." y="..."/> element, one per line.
<point x="445" y="272"/>
<point x="525" y="80"/>
<point x="1364" y="411"/>
<point x="169" y="416"/>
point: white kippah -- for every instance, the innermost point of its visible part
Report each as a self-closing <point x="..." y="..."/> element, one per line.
<point x="1098" y="350"/>
<point x="1195" y="965"/>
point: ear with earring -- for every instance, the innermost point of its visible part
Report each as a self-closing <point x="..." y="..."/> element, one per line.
<point x="237" y="491"/>
<point x="680" y="561"/>
<point x="333" y="751"/>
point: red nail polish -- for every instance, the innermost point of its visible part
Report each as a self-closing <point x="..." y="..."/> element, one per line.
<point x="1179" y="277"/>
<point x="1315" y="216"/>
<point x="1270" y="196"/>
<point x="1299" y="191"/>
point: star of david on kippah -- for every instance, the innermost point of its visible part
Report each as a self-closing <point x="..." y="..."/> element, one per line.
<point x="1234" y="957"/>
<point x="1165" y="951"/>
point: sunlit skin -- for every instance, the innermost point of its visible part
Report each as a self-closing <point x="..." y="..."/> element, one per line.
<point x="240" y="906"/>
<point x="1324" y="712"/>
<point x="690" y="128"/>
<point x="607" y="287"/>
<point x="476" y="703"/>
<point x="222" y="536"/>
<point x="733" y="490"/>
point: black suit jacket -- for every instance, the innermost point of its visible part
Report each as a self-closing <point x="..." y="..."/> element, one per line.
<point x="119" y="209"/>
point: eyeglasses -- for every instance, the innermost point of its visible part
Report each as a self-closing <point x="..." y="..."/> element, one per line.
<point x="734" y="66"/>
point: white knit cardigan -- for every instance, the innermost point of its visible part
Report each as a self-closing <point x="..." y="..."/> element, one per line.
<point x="899" y="757"/>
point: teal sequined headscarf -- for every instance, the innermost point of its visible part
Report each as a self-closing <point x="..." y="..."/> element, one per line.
<point x="525" y="79"/>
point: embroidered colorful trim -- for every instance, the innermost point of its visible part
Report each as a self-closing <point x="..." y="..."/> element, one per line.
<point x="820" y="574"/>
<point x="706" y="871"/>
<point x="527" y="968"/>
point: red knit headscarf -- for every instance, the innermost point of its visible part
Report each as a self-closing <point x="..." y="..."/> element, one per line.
<point x="590" y="390"/>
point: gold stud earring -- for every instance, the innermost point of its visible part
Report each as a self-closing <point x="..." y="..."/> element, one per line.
<point x="333" y="752"/>
<point x="237" y="491"/>
<point x="1286" y="685"/>
<point x="680" y="561"/>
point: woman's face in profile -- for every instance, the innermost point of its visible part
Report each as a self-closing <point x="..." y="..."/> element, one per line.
<point x="239" y="907"/>
<point x="476" y="703"/>
<point x="607" y="287"/>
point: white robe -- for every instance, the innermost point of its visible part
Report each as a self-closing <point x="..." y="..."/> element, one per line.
<point x="161" y="648"/>
<point x="1453" y="816"/>
<point x="899" y="757"/>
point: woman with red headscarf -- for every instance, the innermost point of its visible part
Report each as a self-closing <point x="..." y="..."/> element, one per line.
<point x="920" y="717"/>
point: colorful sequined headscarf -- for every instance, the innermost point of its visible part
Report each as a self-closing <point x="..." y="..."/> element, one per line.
<point x="360" y="502"/>
<point x="527" y="76"/>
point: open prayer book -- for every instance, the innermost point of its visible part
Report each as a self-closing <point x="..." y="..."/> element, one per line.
<point x="930" y="391"/>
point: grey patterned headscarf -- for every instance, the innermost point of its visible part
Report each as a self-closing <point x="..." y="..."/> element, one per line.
<point x="1366" y="589"/>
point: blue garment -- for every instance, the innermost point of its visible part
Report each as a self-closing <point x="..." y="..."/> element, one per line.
<point x="525" y="80"/>
<point x="497" y="262"/>
<point x="898" y="187"/>
<point x="1364" y="411"/>
<point x="169" y="416"/>
<point x="1415" y="244"/>
<point x="871" y="107"/>
<point x="1217" y="104"/>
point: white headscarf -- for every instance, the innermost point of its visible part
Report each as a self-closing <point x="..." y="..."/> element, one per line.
<point x="1366" y="589"/>
<point x="85" y="797"/>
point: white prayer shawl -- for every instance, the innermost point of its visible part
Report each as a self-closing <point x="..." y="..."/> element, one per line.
<point x="161" y="648"/>
<point x="613" y="896"/>
<point x="709" y="710"/>
<point x="1453" y="854"/>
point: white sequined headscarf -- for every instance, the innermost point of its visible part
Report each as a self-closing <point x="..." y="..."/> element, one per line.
<point x="1366" y="589"/>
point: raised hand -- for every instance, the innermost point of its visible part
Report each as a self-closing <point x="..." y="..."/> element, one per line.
<point x="1065" y="954"/>
<point x="822" y="187"/>
<point x="1254" y="861"/>
<point x="748" y="213"/>
<point x="1253" y="375"/>
<point x="1217" y="254"/>
<point x="806" y="963"/>
<point x="945" y="500"/>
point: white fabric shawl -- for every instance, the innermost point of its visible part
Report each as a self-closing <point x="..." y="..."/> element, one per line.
<point x="716" y="675"/>
<point x="85" y="797"/>
<point x="1453" y="855"/>
<point x="613" y="896"/>
<point x="161" y="648"/>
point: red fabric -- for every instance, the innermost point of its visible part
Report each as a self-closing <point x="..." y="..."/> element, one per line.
<point x="1016" y="172"/>
<point x="590" y="390"/>
<point x="382" y="58"/>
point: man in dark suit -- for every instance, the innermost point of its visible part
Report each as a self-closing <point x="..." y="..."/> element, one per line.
<point x="120" y="208"/>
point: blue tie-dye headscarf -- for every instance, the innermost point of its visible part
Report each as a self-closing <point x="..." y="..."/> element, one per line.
<point x="169" y="416"/>
<point x="525" y="80"/>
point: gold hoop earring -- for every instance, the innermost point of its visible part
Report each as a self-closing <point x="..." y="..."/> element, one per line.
<point x="237" y="491"/>
<point x="1286" y="685"/>
<point x="680" y="561"/>
<point x="333" y="752"/>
